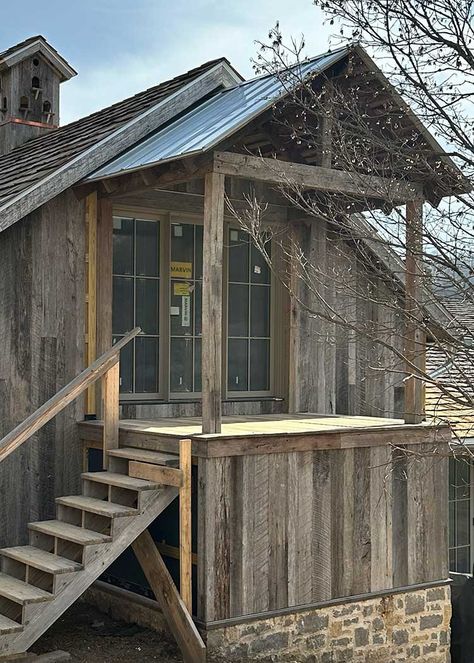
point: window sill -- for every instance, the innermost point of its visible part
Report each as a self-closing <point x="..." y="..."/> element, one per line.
<point x="179" y="401"/>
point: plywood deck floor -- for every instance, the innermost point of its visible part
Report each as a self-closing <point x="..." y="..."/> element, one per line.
<point x="259" y="425"/>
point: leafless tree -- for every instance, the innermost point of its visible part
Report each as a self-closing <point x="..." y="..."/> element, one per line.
<point x="350" y="119"/>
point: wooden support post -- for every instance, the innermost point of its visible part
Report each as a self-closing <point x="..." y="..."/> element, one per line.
<point x="174" y="610"/>
<point x="415" y="337"/>
<point x="294" y="353"/>
<point x="91" y="355"/>
<point x="185" y="552"/>
<point x="111" y="409"/>
<point x="212" y="303"/>
<point x="104" y="282"/>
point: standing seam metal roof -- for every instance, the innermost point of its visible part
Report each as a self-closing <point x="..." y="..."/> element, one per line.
<point x="212" y="121"/>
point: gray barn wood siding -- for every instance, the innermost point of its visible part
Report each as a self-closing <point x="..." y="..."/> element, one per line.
<point x="42" y="306"/>
<point x="282" y="530"/>
<point x="342" y="370"/>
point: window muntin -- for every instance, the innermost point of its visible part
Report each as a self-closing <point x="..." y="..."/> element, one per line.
<point x="460" y="515"/>
<point x="248" y="316"/>
<point x="186" y="243"/>
<point x="140" y="297"/>
<point x="136" y="301"/>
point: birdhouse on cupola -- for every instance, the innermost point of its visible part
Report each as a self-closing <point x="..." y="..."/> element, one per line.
<point x="30" y="77"/>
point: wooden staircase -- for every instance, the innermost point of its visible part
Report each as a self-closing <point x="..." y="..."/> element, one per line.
<point x="39" y="581"/>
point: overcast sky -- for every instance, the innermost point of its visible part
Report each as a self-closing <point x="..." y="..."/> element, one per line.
<point x="120" y="47"/>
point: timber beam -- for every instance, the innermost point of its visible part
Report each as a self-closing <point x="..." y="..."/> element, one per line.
<point x="316" y="178"/>
<point x="263" y="169"/>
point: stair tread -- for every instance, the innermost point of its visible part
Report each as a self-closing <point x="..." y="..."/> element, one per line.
<point x="120" y="480"/>
<point x="96" y="506"/>
<point x="8" y="625"/>
<point x="42" y="560"/>
<point x="146" y="456"/>
<point x="69" y="532"/>
<point x="21" y="592"/>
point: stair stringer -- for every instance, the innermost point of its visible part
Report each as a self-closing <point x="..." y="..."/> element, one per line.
<point x="97" y="559"/>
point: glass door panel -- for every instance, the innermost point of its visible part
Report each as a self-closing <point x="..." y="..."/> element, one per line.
<point x="185" y="307"/>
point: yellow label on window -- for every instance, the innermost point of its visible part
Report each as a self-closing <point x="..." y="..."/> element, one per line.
<point x="182" y="270"/>
<point x="181" y="289"/>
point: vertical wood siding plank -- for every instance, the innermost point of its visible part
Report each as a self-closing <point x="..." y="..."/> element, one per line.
<point x="399" y="518"/>
<point x="381" y="518"/>
<point x="222" y="543"/>
<point x="259" y="595"/>
<point x="277" y="520"/>
<point x="323" y="515"/>
<point x="361" y="541"/>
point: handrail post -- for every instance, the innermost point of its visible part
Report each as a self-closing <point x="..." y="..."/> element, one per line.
<point x="110" y="410"/>
<point x="185" y="553"/>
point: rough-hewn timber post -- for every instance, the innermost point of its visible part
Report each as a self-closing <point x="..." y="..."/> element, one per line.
<point x="415" y="337"/>
<point x="104" y="282"/>
<point x="91" y="354"/>
<point x="296" y="319"/>
<point x="212" y="302"/>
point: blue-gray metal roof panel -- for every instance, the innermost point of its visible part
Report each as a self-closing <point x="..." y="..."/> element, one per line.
<point x="212" y="121"/>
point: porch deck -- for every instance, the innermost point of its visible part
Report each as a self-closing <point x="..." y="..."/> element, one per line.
<point x="269" y="433"/>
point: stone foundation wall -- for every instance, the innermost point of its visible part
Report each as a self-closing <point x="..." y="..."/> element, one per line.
<point x="408" y="626"/>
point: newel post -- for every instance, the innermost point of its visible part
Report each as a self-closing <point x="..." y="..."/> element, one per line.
<point x="414" y="334"/>
<point x="212" y="302"/>
<point x="111" y="409"/>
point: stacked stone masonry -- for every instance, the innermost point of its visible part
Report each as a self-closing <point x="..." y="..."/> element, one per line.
<point x="411" y="626"/>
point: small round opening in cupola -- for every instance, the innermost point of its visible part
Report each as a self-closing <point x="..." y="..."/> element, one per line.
<point x="36" y="62"/>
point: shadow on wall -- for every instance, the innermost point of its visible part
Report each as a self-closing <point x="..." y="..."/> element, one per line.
<point x="462" y="620"/>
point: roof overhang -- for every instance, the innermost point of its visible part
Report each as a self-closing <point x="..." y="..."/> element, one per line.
<point x="206" y="126"/>
<point x="39" y="46"/>
<point x="218" y="118"/>
<point x="75" y="170"/>
<point x="462" y="183"/>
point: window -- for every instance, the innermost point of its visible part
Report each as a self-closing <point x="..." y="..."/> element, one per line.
<point x="248" y="318"/>
<point x="24" y="103"/>
<point x="157" y="285"/>
<point x="136" y="301"/>
<point x="460" y="515"/>
<point x="35" y="83"/>
<point x="185" y="307"/>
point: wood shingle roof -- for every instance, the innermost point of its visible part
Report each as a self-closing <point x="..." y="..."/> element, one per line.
<point x="43" y="156"/>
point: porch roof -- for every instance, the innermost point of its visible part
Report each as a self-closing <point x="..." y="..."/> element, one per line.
<point x="212" y="121"/>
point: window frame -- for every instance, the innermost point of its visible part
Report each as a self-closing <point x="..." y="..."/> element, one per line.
<point x="196" y="220"/>
<point x="470" y="500"/>
<point x="166" y="219"/>
<point x="136" y="215"/>
<point x="232" y="394"/>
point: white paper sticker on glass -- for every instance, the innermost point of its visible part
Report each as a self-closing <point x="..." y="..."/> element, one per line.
<point x="186" y="311"/>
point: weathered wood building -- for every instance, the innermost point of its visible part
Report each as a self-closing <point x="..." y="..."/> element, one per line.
<point x="310" y="504"/>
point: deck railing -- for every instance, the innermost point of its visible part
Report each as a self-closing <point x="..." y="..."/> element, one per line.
<point x="106" y="367"/>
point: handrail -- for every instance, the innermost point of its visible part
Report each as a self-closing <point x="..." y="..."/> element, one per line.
<point x="63" y="397"/>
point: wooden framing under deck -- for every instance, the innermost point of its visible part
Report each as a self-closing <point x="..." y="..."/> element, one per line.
<point x="272" y="489"/>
